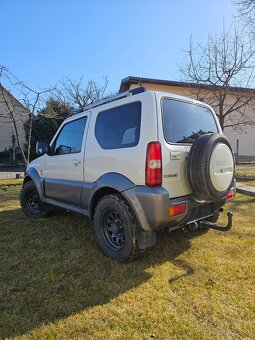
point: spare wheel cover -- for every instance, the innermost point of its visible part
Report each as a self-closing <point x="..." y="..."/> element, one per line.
<point x="221" y="167"/>
<point x="210" y="167"/>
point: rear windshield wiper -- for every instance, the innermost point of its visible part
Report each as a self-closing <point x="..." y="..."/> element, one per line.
<point x="193" y="137"/>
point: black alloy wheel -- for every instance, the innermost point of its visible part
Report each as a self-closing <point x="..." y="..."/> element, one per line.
<point x="31" y="203"/>
<point x="113" y="229"/>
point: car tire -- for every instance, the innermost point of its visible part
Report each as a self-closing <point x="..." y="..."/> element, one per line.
<point x="31" y="204"/>
<point x="210" y="167"/>
<point x="115" y="229"/>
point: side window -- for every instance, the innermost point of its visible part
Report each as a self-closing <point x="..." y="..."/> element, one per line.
<point x="119" y="127"/>
<point x="70" y="137"/>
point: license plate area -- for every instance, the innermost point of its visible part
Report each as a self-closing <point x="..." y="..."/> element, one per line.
<point x="201" y="212"/>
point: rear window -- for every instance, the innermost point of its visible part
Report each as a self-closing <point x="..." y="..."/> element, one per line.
<point x="185" y="122"/>
<point x="119" y="127"/>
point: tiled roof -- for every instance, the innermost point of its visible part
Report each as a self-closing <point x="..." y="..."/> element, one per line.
<point x="126" y="82"/>
<point x="2" y="88"/>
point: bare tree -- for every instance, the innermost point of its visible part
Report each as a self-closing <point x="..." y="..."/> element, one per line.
<point x="79" y="95"/>
<point x="246" y="10"/>
<point x="20" y="116"/>
<point x="222" y="73"/>
<point x="74" y="94"/>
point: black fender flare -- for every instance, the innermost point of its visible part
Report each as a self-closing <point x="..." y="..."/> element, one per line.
<point x="110" y="181"/>
<point x="32" y="174"/>
<point x="115" y="181"/>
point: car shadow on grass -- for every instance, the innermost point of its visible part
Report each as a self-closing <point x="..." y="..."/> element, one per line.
<point x="241" y="203"/>
<point x="51" y="268"/>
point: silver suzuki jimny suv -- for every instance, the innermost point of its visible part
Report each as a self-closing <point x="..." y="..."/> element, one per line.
<point x="134" y="164"/>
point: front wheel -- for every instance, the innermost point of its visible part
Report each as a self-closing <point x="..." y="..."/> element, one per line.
<point x="30" y="202"/>
<point x="115" y="230"/>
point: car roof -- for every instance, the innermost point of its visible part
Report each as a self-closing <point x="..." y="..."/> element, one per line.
<point x="158" y="94"/>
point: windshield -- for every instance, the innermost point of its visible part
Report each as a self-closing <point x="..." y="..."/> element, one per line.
<point x="185" y="122"/>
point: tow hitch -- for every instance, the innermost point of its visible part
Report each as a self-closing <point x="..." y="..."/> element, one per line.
<point x="218" y="227"/>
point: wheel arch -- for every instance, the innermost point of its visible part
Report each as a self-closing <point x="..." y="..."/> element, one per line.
<point x="33" y="176"/>
<point x="145" y="239"/>
<point x="101" y="192"/>
<point x="27" y="179"/>
<point x="109" y="183"/>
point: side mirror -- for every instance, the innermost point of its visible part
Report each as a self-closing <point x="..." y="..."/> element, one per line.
<point x="42" y="148"/>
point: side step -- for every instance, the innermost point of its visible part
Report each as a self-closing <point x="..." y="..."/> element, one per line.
<point x="210" y="225"/>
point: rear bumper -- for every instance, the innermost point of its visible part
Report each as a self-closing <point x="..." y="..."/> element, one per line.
<point x="151" y="206"/>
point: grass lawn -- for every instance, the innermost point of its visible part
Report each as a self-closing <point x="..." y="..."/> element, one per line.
<point x="246" y="176"/>
<point x="248" y="182"/>
<point x="249" y="172"/>
<point x="55" y="283"/>
<point x="11" y="181"/>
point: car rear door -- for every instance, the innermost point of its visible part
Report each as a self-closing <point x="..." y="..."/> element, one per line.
<point x="182" y="122"/>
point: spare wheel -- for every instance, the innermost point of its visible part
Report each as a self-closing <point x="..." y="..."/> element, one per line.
<point x="210" y="167"/>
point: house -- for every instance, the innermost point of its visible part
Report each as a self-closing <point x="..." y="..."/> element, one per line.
<point x="11" y="110"/>
<point x="241" y="136"/>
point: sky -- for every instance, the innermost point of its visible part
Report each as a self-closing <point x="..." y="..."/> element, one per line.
<point x="43" y="41"/>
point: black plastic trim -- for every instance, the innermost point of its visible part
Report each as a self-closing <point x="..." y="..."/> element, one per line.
<point x="137" y="90"/>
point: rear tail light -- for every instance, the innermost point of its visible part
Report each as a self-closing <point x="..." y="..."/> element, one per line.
<point x="153" y="171"/>
<point x="230" y="195"/>
<point x="177" y="209"/>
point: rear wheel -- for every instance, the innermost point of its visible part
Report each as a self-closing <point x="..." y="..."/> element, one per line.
<point x="31" y="204"/>
<point x="115" y="229"/>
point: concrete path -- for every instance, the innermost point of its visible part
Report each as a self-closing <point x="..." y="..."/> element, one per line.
<point x="245" y="189"/>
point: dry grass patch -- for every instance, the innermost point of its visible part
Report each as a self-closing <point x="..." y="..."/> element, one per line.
<point x="249" y="182"/>
<point x="11" y="181"/>
<point x="249" y="172"/>
<point x="56" y="284"/>
<point x="246" y="176"/>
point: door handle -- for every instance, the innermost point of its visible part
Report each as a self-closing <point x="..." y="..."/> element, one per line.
<point x="76" y="162"/>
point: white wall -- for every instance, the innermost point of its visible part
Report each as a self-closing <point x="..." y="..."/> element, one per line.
<point x="246" y="141"/>
<point x="246" y="138"/>
<point x="6" y="125"/>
